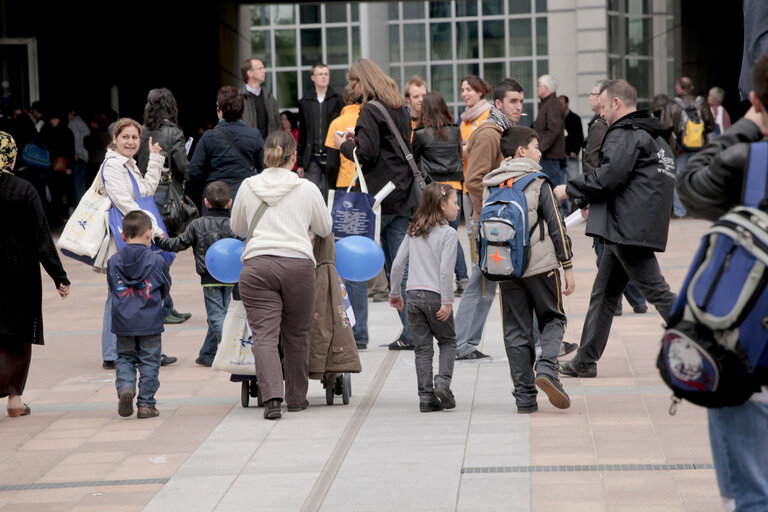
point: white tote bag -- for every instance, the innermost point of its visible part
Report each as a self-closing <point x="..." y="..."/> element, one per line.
<point x="88" y="227"/>
<point x="234" y="354"/>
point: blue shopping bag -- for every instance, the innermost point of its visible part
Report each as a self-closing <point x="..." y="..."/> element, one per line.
<point x="148" y="206"/>
<point x="355" y="213"/>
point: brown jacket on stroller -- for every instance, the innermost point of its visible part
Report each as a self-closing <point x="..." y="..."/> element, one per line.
<point x="332" y="347"/>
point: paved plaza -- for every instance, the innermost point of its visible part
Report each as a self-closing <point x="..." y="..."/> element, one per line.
<point x="616" y="449"/>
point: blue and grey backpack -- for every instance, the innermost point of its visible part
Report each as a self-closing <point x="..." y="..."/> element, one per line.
<point x="503" y="234"/>
<point x="716" y="344"/>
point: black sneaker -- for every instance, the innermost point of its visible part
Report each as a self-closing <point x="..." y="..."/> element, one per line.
<point x="108" y="365"/>
<point x="461" y="285"/>
<point x="400" y="345"/>
<point x="125" y="405"/>
<point x="554" y="390"/>
<point x="527" y="409"/>
<point x="166" y="360"/>
<point x="199" y="360"/>
<point x="300" y="407"/>
<point x="272" y="409"/>
<point x="430" y="406"/>
<point x="475" y="354"/>
<point x="173" y="319"/>
<point x="445" y="397"/>
<point x="640" y="309"/>
<point x="572" y="371"/>
<point x="361" y="346"/>
<point x="566" y="348"/>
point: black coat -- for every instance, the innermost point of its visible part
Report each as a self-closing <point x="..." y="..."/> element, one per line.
<point x="439" y="158"/>
<point x="630" y="192"/>
<point x="25" y="243"/>
<point x="381" y="157"/>
<point x="314" y="119"/>
<point x="713" y="180"/>
<point x="595" y="134"/>
<point x="171" y="139"/>
<point x="200" y="234"/>
<point x="575" y="133"/>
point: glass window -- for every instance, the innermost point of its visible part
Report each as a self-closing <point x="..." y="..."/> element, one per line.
<point x="441" y="37"/>
<point x="287" y="89"/>
<point x="309" y="13"/>
<point x="285" y="15"/>
<point x="394" y="13"/>
<point x="338" y="80"/>
<point x="414" y="42"/>
<point x="616" y="5"/>
<point x="639" y="74"/>
<point x="439" y="9"/>
<point x="542" y="67"/>
<point x="527" y="117"/>
<point x="311" y="46"/>
<point x="420" y="71"/>
<point x="541" y="5"/>
<point x="468" y="8"/>
<point x="639" y="37"/>
<point x="260" y="15"/>
<point x="285" y="47"/>
<point x="520" y="38"/>
<point x="336" y="45"/>
<point x="493" y="72"/>
<point x="493" y="39"/>
<point x="463" y="70"/>
<point x="355" y="11"/>
<point x="615" y="35"/>
<point x="261" y="47"/>
<point x="413" y="10"/>
<point x="355" y="43"/>
<point x="394" y="43"/>
<point x="492" y="7"/>
<point x="541" y="36"/>
<point x="519" y="6"/>
<point x="442" y="80"/>
<point x="335" y="12"/>
<point x="522" y="71"/>
<point x="615" y="69"/>
<point x="467" y="45"/>
<point x="394" y="73"/>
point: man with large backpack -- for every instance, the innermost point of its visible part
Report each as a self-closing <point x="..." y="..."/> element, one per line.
<point x="629" y="196"/>
<point x="686" y="120"/>
<point x="717" y="179"/>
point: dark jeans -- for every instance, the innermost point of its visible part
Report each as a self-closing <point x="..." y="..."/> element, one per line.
<point x="393" y="228"/>
<point x="422" y="308"/>
<point x="216" y="303"/>
<point x="144" y="350"/>
<point x="633" y="295"/>
<point x="460" y="269"/>
<point x="524" y="303"/>
<point x="358" y="297"/>
<point x="317" y="174"/>
<point x="620" y="263"/>
<point x="551" y="167"/>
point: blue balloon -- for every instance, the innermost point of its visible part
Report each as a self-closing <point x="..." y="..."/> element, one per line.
<point x="358" y="258"/>
<point x="223" y="259"/>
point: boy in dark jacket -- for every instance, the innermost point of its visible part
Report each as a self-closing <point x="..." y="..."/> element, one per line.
<point x="538" y="292"/>
<point x="201" y="233"/>
<point x="138" y="281"/>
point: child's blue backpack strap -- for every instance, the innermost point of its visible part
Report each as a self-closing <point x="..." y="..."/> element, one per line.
<point x="757" y="174"/>
<point x="523" y="182"/>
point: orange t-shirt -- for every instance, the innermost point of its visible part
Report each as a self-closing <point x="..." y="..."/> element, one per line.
<point x="467" y="128"/>
<point x="347" y="119"/>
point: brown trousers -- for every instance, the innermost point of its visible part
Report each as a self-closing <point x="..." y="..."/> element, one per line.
<point x="279" y="297"/>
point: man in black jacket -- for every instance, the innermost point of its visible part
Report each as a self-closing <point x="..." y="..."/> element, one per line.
<point x="574" y="138"/>
<point x="317" y="109"/>
<point x="630" y="196"/>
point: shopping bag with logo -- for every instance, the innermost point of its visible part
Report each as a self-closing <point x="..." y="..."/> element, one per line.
<point x="86" y="233"/>
<point x="355" y="213"/>
<point x="234" y="354"/>
<point x="148" y="206"/>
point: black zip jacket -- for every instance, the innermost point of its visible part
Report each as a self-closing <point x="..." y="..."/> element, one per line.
<point x="381" y="157"/>
<point x="200" y="234"/>
<point x="314" y="119"/>
<point x="630" y="191"/>
<point x="439" y="158"/>
<point x="171" y="140"/>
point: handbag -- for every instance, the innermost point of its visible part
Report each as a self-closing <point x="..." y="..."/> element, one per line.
<point x="235" y="354"/>
<point x="86" y="234"/>
<point x="355" y="213"/>
<point x="177" y="210"/>
<point x="147" y="205"/>
<point x="420" y="181"/>
<point x="36" y="155"/>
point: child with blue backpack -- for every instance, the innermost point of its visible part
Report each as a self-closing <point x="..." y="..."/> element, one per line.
<point x="533" y="287"/>
<point x="429" y="250"/>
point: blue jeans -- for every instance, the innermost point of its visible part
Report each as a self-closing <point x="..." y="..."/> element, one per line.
<point x="739" y="439"/>
<point x="216" y="302"/>
<point x="144" y="350"/>
<point x="633" y="295"/>
<point x="551" y="167"/>
<point x="393" y="228"/>
<point x="78" y="179"/>
<point x="358" y="297"/>
<point x="680" y="162"/>
<point x="473" y="311"/>
<point x="108" y="338"/>
<point x="460" y="269"/>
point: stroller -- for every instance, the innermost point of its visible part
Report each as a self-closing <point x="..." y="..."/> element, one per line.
<point x="333" y="353"/>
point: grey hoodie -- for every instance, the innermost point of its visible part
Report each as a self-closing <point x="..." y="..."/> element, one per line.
<point x="550" y="244"/>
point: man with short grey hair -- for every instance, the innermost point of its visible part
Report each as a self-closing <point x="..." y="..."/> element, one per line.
<point x="260" y="110"/>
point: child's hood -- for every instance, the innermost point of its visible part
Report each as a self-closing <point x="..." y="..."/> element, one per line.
<point x="510" y="168"/>
<point x="273" y="183"/>
<point x="136" y="264"/>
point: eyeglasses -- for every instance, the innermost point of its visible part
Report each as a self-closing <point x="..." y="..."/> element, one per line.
<point x="594" y="94"/>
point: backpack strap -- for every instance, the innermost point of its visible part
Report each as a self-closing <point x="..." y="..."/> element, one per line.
<point x="236" y="148"/>
<point x="757" y="174"/>
<point x="527" y="179"/>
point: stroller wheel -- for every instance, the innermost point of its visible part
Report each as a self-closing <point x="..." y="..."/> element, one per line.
<point x="245" y="393"/>
<point x="329" y="395"/>
<point x="346" y="389"/>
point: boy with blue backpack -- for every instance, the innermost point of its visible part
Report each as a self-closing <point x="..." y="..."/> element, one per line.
<point x="522" y="242"/>
<point x="727" y="181"/>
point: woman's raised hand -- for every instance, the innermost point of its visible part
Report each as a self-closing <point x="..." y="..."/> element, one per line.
<point x="154" y="147"/>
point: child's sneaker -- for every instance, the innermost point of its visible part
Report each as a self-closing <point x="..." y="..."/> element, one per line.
<point x="554" y="390"/>
<point x="430" y="406"/>
<point x="125" y="405"/>
<point x="445" y="397"/>
<point x="527" y="409"/>
<point x="147" y="412"/>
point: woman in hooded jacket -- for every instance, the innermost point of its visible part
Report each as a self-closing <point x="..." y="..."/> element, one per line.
<point x="276" y="212"/>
